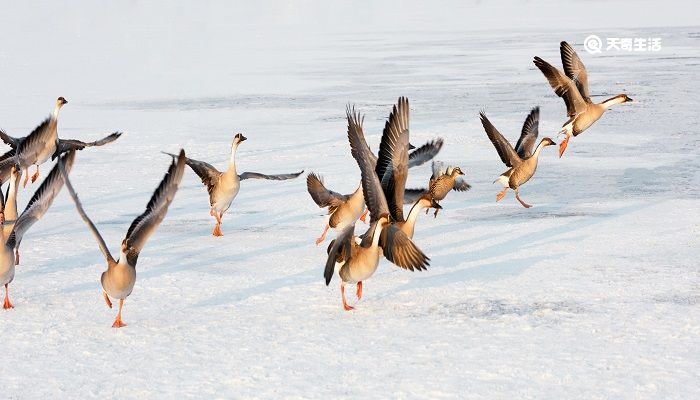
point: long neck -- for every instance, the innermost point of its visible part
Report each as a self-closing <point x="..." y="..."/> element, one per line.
<point x="377" y="234"/>
<point x="613" y="101"/>
<point x="539" y="148"/>
<point x="11" y="203"/>
<point x="56" y="109"/>
<point x="413" y="217"/>
<point x="232" y="159"/>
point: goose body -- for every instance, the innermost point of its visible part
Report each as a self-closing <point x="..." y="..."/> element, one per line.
<point x="223" y="187"/>
<point x="572" y="87"/>
<point x="119" y="278"/>
<point x="521" y="160"/>
<point x="343" y="210"/>
<point x="445" y="179"/>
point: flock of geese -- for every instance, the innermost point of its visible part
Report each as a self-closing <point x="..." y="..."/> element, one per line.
<point x="381" y="192"/>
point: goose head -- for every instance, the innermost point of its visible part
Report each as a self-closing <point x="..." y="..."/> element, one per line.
<point x="238" y="139"/>
<point x="547" y="142"/>
<point x="457" y="171"/>
<point x="60" y="102"/>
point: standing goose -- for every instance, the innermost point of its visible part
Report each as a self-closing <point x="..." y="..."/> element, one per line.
<point x="223" y="186"/>
<point x="359" y="261"/>
<point x="445" y="178"/>
<point x="346" y="209"/>
<point x="119" y="278"/>
<point x="36" y="208"/>
<point x="573" y="88"/>
<point x="521" y="160"/>
<point x="41" y="144"/>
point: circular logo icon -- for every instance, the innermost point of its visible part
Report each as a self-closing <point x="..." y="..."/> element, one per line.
<point x="593" y="44"/>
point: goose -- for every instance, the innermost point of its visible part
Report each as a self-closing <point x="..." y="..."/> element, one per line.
<point x="34" y="211"/>
<point x="119" y="278"/>
<point x="39" y="145"/>
<point x="346" y="209"/>
<point x="572" y="86"/>
<point x="64" y="145"/>
<point x="359" y="261"/>
<point x="521" y="160"/>
<point x="445" y="178"/>
<point x="223" y="186"/>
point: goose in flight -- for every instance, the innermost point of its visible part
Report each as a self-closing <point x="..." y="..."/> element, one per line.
<point x="521" y="160"/>
<point x="223" y="186"/>
<point x="572" y="86"/>
<point x="445" y="178"/>
<point x="14" y="228"/>
<point x="358" y="262"/>
<point x="119" y="278"/>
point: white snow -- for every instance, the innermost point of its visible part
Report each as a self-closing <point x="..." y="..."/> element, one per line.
<point x="592" y="293"/>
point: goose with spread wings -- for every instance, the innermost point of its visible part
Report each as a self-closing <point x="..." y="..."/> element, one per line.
<point x="14" y="228"/>
<point x="445" y="178"/>
<point x="358" y="262"/>
<point x="119" y="278"/>
<point x="223" y="186"/>
<point x="572" y="87"/>
<point x="522" y="160"/>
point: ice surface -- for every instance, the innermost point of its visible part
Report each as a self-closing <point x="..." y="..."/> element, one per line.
<point x="592" y="293"/>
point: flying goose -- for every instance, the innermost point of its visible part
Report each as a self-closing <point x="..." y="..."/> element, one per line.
<point x="223" y="186"/>
<point x="119" y="278"/>
<point x="521" y="160"/>
<point x="64" y="145"/>
<point x="358" y="262"/>
<point x="35" y="209"/>
<point x="572" y="86"/>
<point x="445" y="178"/>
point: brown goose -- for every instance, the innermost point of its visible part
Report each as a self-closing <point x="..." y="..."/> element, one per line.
<point x="119" y="278"/>
<point x="358" y="262"/>
<point x="521" y="160"/>
<point x="34" y="211"/>
<point x="572" y="86"/>
<point x="445" y="178"/>
<point x="223" y="186"/>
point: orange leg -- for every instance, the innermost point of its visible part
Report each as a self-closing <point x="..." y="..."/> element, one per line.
<point x="26" y="177"/>
<point x="36" y="175"/>
<point x="323" y="235"/>
<point x="562" y="146"/>
<point x="345" y="303"/>
<point x="217" y="229"/>
<point x="109" y="303"/>
<point x="7" y="305"/>
<point x="118" y="322"/>
<point x="16" y="256"/>
<point x="517" y="196"/>
<point x="359" y="290"/>
<point x="501" y="194"/>
<point x="363" y="218"/>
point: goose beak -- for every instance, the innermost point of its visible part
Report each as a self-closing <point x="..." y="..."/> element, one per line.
<point x="629" y="99"/>
<point x="411" y="147"/>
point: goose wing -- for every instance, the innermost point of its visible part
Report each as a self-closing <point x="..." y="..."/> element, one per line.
<point x="339" y="251"/>
<point x="145" y="224"/>
<point x="278" y="177"/>
<point x="372" y="188"/>
<point x="205" y="171"/>
<point x="65" y="145"/>
<point x="30" y="147"/>
<point x="528" y="136"/>
<point x="7" y="160"/>
<point x="410" y="196"/>
<point x="392" y="163"/>
<point x="574" y="69"/>
<point x="563" y="86"/>
<point x="505" y="150"/>
<point x="425" y="153"/>
<point x="400" y="249"/>
<point x="322" y="196"/>
<point x="78" y="205"/>
<point x="42" y="199"/>
<point x="9" y="140"/>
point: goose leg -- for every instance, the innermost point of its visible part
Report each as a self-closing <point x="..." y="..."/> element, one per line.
<point x="562" y="145"/>
<point x="517" y="196"/>
<point x="436" y="212"/>
<point x="118" y="321"/>
<point x="501" y="194"/>
<point x="364" y="215"/>
<point x="26" y="177"/>
<point x="323" y="235"/>
<point x="7" y="305"/>
<point x="342" y="294"/>
<point x="36" y="175"/>
<point x="359" y="290"/>
<point x="109" y="303"/>
<point x="16" y="256"/>
<point x="217" y="229"/>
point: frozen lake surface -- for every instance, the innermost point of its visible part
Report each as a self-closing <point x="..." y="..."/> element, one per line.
<point x="592" y="293"/>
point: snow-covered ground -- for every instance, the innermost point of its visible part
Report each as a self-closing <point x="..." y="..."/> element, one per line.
<point x="592" y="293"/>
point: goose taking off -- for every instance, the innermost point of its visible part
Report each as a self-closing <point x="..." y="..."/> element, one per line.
<point x="445" y="178"/>
<point x="358" y="262"/>
<point x="223" y="186"/>
<point x="36" y="208"/>
<point x="572" y="86"/>
<point x="521" y="160"/>
<point x="64" y="145"/>
<point x="119" y="278"/>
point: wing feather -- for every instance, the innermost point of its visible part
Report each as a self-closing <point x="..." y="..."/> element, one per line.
<point x="528" y="135"/>
<point x="505" y="150"/>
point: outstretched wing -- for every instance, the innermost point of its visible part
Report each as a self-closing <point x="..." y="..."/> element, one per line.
<point x="29" y="148"/>
<point x="410" y="196"/>
<point x="7" y="160"/>
<point x="400" y="249"/>
<point x="392" y="163"/>
<point x="563" y="86"/>
<point x="574" y="69"/>
<point x="42" y="199"/>
<point x="372" y="188"/>
<point x="322" y="196"/>
<point x="100" y="241"/>
<point x="528" y="136"/>
<point x="205" y="171"/>
<point x="278" y="177"/>
<point x="145" y="224"/>
<point x="65" y="145"/>
<point x="425" y="153"/>
<point x="339" y="251"/>
<point x="9" y="140"/>
<point x="505" y="150"/>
